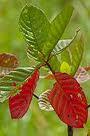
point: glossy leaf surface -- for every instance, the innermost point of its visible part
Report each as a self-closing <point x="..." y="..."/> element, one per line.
<point x="19" y="103"/>
<point x="71" y="54"/>
<point x="40" y="34"/>
<point x="69" y="101"/>
<point x="15" y="78"/>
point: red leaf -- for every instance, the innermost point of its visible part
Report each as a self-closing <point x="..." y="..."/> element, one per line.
<point x="19" y="104"/>
<point x="69" y="101"/>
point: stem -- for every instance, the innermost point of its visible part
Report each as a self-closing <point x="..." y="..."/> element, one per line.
<point x="49" y="67"/>
<point x="40" y="65"/>
<point x="35" y="96"/>
<point x="70" y="131"/>
<point x="88" y="106"/>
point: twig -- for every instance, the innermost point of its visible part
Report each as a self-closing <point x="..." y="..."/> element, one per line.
<point x="88" y="106"/>
<point x="35" y="96"/>
<point x="50" y="67"/>
<point x="70" y="131"/>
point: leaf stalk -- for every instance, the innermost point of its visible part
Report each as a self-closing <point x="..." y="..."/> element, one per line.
<point x="70" y="131"/>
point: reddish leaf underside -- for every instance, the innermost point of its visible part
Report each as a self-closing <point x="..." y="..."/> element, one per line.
<point x="19" y="104"/>
<point x="69" y="101"/>
<point x="8" y="60"/>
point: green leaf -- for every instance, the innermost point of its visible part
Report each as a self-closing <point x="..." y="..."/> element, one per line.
<point x="4" y="95"/>
<point x="32" y="53"/>
<point x="13" y="80"/>
<point x="58" y="26"/>
<point x="61" y="45"/>
<point x="65" y="68"/>
<point x="35" y="27"/>
<point x="40" y="34"/>
<point x="72" y="55"/>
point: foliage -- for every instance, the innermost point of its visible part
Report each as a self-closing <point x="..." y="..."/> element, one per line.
<point x="19" y="103"/>
<point x="57" y="62"/>
<point x="68" y="100"/>
<point x="43" y="35"/>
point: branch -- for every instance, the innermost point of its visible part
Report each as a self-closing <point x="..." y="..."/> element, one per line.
<point x="70" y="131"/>
<point x="88" y="106"/>
<point x="35" y="96"/>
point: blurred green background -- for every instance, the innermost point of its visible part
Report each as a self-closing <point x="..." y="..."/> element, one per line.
<point x="37" y="122"/>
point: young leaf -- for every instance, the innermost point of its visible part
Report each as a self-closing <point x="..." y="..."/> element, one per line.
<point x="8" y="62"/>
<point x="40" y="35"/>
<point x="69" y="101"/>
<point x="19" y="103"/>
<point x="43" y="101"/>
<point x="13" y="80"/>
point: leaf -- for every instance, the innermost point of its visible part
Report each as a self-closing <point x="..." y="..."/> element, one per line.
<point x="4" y="96"/>
<point x="19" y="103"/>
<point x="8" y="62"/>
<point x="72" y="54"/>
<point x="82" y="75"/>
<point x="69" y="101"/>
<point x="44" y="102"/>
<point x="61" y="45"/>
<point x="40" y="34"/>
<point x="65" y="68"/>
<point x="59" y="24"/>
<point x="35" y="26"/>
<point x="32" y="53"/>
<point x="13" y="80"/>
<point x="50" y="77"/>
